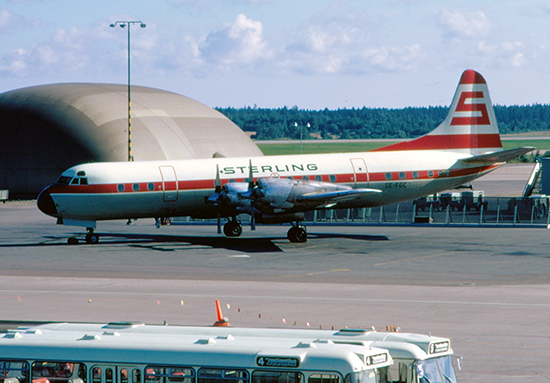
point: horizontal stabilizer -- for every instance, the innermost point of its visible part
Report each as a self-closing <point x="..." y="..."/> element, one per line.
<point x="496" y="157"/>
<point x="335" y="197"/>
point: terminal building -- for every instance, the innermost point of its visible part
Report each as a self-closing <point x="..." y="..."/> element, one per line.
<point x="49" y="128"/>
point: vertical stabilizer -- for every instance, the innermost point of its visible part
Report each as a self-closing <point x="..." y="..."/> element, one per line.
<point x="470" y="126"/>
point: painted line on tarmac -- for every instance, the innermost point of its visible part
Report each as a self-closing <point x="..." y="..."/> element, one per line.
<point x="293" y="297"/>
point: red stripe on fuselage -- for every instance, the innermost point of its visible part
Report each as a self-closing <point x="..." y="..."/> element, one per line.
<point x="422" y="175"/>
<point x="446" y="142"/>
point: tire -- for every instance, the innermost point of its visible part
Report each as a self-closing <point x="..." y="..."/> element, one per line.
<point x="232" y="229"/>
<point x="297" y="234"/>
<point x="92" y="238"/>
<point x="72" y="241"/>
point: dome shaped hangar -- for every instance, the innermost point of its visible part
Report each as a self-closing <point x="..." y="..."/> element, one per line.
<point x="49" y="128"/>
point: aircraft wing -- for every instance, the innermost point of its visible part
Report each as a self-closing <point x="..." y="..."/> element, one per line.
<point x="331" y="198"/>
<point x="496" y="157"/>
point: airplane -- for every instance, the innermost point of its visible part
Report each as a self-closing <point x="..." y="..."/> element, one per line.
<point x="280" y="189"/>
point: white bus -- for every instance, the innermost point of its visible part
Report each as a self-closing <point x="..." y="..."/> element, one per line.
<point x="110" y="354"/>
<point x="417" y="358"/>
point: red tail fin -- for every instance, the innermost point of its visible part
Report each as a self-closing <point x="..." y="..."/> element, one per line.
<point x="470" y="126"/>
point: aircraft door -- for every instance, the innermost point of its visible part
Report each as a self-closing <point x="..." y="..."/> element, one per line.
<point x="169" y="183"/>
<point x="360" y="172"/>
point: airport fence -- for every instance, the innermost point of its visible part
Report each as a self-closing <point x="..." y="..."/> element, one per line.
<point x="487" y="211"/>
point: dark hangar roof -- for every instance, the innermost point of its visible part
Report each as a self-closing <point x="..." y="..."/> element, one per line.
<point x="49" y="128"/>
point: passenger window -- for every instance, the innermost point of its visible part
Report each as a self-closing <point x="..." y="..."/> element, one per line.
<point x="318" y="178"/>
<point x="165" y="374"/>
<point x="14" y="371"/>
<point x="210" y="375"/>
<point x="58" y="372"/>
<point x="431" y="173"/>
<point x="108" y="375"/>
<point x="388" y="176"/>
<point x="123" y="375"/>
<point x="324" y="378"/>
<point x="305" y="178"/>
<point x="150" y="186"/>
<point x="136" y="376"/>
<point x="135" y="187"/>
<point x="120" y="187"/>
<point x="402" y="175"/>
<point x="415" y="175"/>
<point x="332" y="178"/>
<point x="277" y="377"/>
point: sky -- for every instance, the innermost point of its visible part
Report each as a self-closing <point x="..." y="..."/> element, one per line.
<point x="310" y="54"/>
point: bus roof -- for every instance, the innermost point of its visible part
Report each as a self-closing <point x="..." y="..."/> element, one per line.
<point x="400" y="345"/>
<point x="104" y="344"/>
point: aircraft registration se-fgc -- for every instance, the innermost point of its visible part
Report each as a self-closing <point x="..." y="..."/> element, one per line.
<point x="280" y="189"/>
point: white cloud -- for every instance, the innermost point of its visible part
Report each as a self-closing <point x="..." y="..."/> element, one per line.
<point x="237" y="44"/>
<point x="505" y="54"/>
<point x="458" y="25"/>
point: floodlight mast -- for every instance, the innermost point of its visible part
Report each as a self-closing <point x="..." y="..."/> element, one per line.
<point x="128" y="24"/>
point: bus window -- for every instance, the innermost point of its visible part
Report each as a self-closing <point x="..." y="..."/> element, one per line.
<point x="165" y="374"/>
<point x="123" y="375"/>
<point x="12" y="370"/>
<point x="277" y="377"/>
<point x="58" y="372"/>
<point x="211" y="375"/>
<point x="324" y="378"/>
<point x="369" y="376"/>
<point x="108" y="375"/>
<point x="398" y="373"/>
<point x="136" y="376"/>
<point x="96" y="375"/>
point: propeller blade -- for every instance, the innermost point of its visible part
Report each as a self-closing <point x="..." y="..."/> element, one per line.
<point x="218" y="182"/>
<point x="250" y="176"/>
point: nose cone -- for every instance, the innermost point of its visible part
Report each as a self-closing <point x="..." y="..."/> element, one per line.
<point x="45" y="203"/>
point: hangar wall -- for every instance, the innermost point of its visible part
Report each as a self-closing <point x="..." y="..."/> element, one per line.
<point x="48" y="128"/>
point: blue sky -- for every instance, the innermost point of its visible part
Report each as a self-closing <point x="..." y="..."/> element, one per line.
<point x="313" y="54"/>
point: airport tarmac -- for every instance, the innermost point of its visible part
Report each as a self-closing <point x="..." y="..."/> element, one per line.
<point x="487" y="289"/>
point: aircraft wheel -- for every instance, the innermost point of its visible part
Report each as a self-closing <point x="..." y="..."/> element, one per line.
<point x="72" y="241"/>
<point x="297" y="234"/>
<point x="232" y="229"/>
<point x="92" y="238"/>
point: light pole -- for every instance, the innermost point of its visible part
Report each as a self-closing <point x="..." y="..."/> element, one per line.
<point x="128" y="24"/>
<point x="296" y="126"/>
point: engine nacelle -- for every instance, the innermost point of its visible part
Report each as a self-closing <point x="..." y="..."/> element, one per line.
<point x="283" y="193"/>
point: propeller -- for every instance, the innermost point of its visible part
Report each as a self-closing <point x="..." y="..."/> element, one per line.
<point x="218" y="189"/>
<point x="250" y="192"/>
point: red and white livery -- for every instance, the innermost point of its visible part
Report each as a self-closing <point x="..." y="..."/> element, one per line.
<point x="278" y="189"/>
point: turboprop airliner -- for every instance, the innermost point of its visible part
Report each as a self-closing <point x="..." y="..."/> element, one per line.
<point x="280" y="189"/>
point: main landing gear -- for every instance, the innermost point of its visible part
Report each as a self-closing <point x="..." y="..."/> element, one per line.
<point x="91" y="238"/>
<point x="297" y="233"/>
<point x="233" y="228"/>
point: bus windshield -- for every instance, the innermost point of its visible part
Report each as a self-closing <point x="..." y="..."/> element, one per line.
<point x="369" y="376"/>
<point x="437" y="370"/>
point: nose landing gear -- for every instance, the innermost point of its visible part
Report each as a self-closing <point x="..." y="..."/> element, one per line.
<point x="91" y="238"/>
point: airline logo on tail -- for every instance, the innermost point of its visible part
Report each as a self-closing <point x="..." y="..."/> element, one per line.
<point x="465" y="105"/>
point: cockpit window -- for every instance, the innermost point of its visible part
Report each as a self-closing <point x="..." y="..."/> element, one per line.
<point x="84" y="181"/>
<point x="63" y="180"/>
<point x="74" y="181"/>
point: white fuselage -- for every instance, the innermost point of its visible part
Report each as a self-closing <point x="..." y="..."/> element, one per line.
<point x="124" y="190"/>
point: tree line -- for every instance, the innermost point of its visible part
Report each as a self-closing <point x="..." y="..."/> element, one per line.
<point x="290" y="123"/>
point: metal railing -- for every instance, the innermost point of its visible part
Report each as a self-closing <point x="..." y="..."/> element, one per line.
<point x="491" y="211"/>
